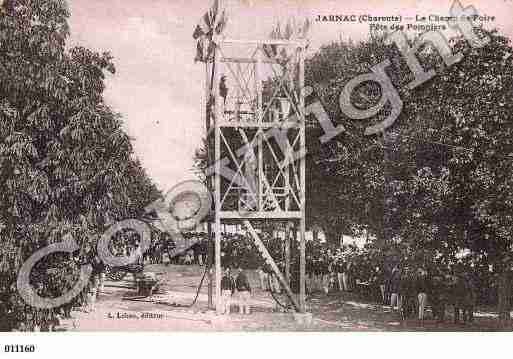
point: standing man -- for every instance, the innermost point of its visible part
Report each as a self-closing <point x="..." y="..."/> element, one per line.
<point x="244" y="290"/>
<point x="407" y="293"/>
<point x="422" y="288"/>
<point x="325" y="271"/>
<point x="309" y="274"/>
<point x="98" y="268"/>
<point x="262" y="276"/>
<point x="202" y="252"/>
<point x="92" y="293"/>
<point x="395" y="283"/>
<point x="380" y="282"/>
<point x="227" y="289"/>
<point x="91" y="258"/>
<point x="346" y="278"/>
<point x="137" y="261"/>
<point x="137" y="254"/>
<point x="339" y="269"/>
<point x="317" y="274"/>
<point x="169" y="246"/>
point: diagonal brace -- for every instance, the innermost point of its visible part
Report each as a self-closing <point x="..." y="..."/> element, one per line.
<point x="267" y="257"/>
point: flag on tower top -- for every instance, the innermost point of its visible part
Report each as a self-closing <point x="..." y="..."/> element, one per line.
<point x="294" y="30"/>
<point x="211" y="23"/>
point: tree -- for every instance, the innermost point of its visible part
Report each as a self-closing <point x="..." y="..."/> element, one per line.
<point x="66" y="165"/>
<point x="441" y="182"/>
<point x="463" y="186"/>
<point x="346" y="177"/>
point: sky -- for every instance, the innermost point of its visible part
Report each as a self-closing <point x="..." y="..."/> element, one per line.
<point x="159" y="89"/>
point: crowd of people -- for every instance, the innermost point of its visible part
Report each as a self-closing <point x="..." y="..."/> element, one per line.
<point x="162" y="249"/>
<point x="404" y="283"/>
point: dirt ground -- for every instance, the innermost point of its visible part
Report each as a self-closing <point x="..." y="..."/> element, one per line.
<point x="119" y="309"/>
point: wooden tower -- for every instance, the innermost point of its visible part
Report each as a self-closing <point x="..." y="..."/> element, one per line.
<point x="256" y="123"/>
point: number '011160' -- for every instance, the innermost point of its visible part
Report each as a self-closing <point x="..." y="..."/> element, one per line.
<point x="15" y="348"/>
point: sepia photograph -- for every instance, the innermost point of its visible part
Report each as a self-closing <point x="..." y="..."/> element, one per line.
<point x="255" y="166"/>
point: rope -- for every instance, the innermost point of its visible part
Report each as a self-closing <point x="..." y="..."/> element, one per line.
<point x="274" y="296"/>
<point x="199" y="287"/>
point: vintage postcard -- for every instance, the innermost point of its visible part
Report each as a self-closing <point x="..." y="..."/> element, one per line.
<point x="255" y="166"/>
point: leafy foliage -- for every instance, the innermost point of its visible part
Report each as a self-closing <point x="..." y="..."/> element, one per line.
<point x="441" y="181"/>
<point x="66" y="165"/>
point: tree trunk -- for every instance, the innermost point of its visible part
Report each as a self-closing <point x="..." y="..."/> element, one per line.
<point x="332" y="234"/>
<point x="504" y="289"/>
<point x="315" y="235"/>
